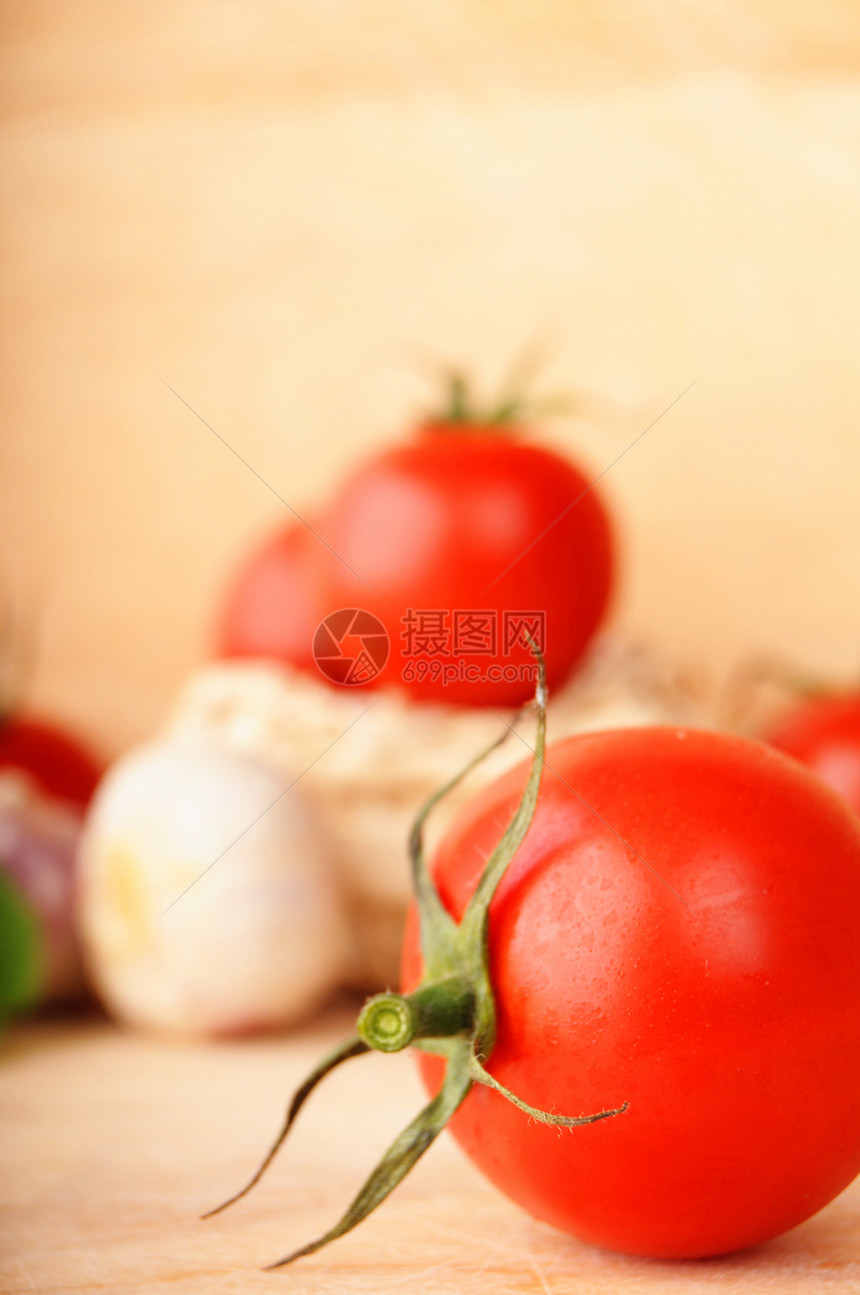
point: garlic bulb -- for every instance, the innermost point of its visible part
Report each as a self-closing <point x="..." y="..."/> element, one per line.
<point x="207" y="901"/>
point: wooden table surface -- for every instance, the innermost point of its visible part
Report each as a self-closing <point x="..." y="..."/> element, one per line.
<point x="114" y="1143"/>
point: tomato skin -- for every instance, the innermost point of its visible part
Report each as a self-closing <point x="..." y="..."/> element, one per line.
<point x="59" y="763"/>
<point x="725" y="1013"/>
<point x="824" y="733"/>
<point x="275" y="601"/>
<point x="449" y="522"/>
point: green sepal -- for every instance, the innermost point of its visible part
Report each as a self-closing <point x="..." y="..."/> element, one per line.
<point x="403" y="1152"/>
<point x="353" y="1047"/>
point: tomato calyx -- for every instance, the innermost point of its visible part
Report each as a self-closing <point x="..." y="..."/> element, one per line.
<point x="451" y="1012"/>
<point x="461" y="410"/>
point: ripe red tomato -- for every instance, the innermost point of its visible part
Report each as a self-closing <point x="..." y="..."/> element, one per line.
<point x="275" y="601"/>
<point x="677" y="931"/>
<point x="58" y="762"/>
<point x="468" y="518"/>
<point x="824" y="733"/>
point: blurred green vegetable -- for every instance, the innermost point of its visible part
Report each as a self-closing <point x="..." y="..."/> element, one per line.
<point x="22" y="960"/>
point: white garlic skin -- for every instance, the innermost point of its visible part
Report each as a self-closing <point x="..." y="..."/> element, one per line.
<point x="207" y="901"/>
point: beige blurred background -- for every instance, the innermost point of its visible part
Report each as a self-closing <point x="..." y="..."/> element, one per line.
<point x="280" y="208"/>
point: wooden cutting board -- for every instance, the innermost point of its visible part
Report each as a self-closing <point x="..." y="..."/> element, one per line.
<point x="114" y="1143"/>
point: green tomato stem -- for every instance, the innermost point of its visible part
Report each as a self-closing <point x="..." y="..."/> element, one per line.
<point x="439" y="1010"/>
<point x="451" y="1012"/>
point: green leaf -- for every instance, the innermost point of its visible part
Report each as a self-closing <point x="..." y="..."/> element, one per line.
<point x="22" y="950"/>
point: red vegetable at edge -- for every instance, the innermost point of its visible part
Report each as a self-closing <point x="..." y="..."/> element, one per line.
<point x="58" y="762"/>
<point x="39" y="828"/>
<point x="824" y="733"/>
<point x="657" y="943"/>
